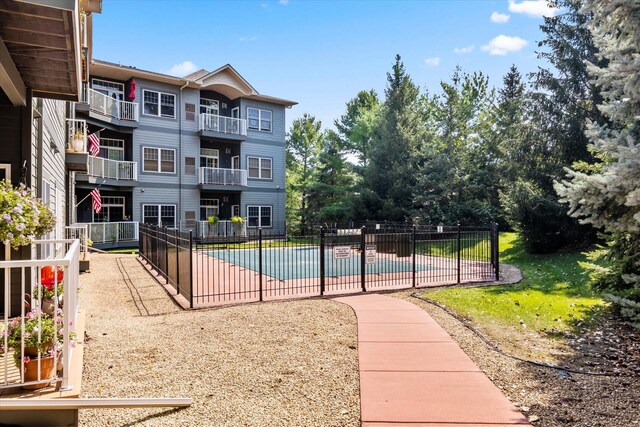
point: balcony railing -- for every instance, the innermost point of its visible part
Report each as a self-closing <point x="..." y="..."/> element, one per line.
<point x="219" y="176"/>
<point x="77" y="136"/>
<point x="112" y="232"/>
<point x="113" y="169"/>
<point x="103" y="104"/>
<point x="223" y="124"/>
<point x="80" y="232"/>
<point x="224" y="228"/>
<point x="25" y="365"/>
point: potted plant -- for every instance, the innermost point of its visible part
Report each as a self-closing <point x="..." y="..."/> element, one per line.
<point x="77" y="140"/>
<point x="238" y="225"/>
<point x="211" y="223"/>
<point x="40" y="345"/>
<point x="50" y="290"/>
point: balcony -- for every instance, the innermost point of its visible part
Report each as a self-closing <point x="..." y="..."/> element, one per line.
<point x="219" y="177"/>
<point x="112" y="232"/>
<point x="76" y="150"/>
<point x="121" y="113"/>
<point x="24" y="277"/>
<point x="113" y="169"/>
<point x="212" y="125"/>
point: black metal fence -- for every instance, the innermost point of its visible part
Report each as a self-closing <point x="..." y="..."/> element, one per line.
<point x="258" y="265"/>
<point x="169" y="252"/>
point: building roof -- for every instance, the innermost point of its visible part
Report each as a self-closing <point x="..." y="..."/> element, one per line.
<point x="225" y="80"/>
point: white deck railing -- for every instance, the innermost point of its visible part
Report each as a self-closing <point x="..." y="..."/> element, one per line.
<point x="223" y="228"/>
<point x="111" y="232"/>
<point x="223" y="124"/>
<point x="80" y="232"/>
<point x="24" y="278"/>
<point x="77" y="136"/>
<point x="113" y="169"/>
<point x="220" y="176"/>
<point x="103" y="104"/>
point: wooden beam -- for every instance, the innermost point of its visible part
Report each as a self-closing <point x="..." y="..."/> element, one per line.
<point x="86" y="403"/>
<point x="11" y="21"/>
<point x="54" y="77"/>
<point x="10" y="79"/>
<point x="29" y="53"/>
<point x="30" y="10"/>
<point x="30" y="38"/>
<point x="34" y="63"/>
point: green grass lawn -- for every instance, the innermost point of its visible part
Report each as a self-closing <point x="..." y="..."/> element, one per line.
<point x="553" y="296"/>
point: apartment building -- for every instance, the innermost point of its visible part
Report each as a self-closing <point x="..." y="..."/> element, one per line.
<point x="175" y="151"/>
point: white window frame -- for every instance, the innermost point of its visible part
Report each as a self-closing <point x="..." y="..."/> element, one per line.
<point x="160" y="206"/>
<point x="235" y="210"/>
<point x="210" y="105"/>
<point x="159" y="154"/>
<point x="260" y="167"/>
<point x="118" y="146"/>
<point x="110" y="88"/>
<point x="210" y="154"/>
<point x="206" y="204"/>
<point x="109" y="202"/>
<point x="260" y="207"/>
<point x="259" y="128"/>
<point x="235" y="162"/>
<point x="166" y="116"/>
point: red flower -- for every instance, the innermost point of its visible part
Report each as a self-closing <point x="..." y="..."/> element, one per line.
<point x="48" y="276"/>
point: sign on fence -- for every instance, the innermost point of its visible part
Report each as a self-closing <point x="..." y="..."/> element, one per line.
<point x="370" y="254"/>
<point x="342" y="252"/>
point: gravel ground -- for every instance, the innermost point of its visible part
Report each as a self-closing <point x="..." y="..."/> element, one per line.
<point x="553" y="398"/>
<point x="281" y="363"/>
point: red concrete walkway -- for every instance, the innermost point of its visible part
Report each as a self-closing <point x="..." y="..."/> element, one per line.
<point x="413" y="374"/>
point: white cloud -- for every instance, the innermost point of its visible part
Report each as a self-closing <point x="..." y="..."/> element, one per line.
<point x="432" y="62"/>
<point x="533" y="8"/>
<point x="248" y="39"/>
<point x="183" y="68"/>
<point x="500" y="18"/>
<point x="283" y="2"/>
<point x="503" y="45"/>
<point x="467" y="49"/>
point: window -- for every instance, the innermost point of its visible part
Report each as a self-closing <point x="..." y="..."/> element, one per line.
<point x="235" y="210"/>
<point x="259" y="168"/>
<point x="161" y="215"/>
<point x="111" y="89"/>
<point x="209" y="106"/>
<point x="189" y="165"/>
<point x="158" y="104"/>
<point x="112" y="149"/>
<point x="259" y="216"/>
<point x="112" y="209"/>
<point x="259" y="119"/>
<point x="209" y="207"/>
<point x="190" y="112"/>
<point x="159" y="160"/>
<point x="209" y="157"/>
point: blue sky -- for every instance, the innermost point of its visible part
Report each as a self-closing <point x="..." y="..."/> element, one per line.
<point x="321" y="53"/>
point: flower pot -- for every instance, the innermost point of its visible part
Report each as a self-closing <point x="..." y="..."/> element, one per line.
<point x="77" y="145"/>
<point x="47" y="371"/>
<point x="49" y="306"/>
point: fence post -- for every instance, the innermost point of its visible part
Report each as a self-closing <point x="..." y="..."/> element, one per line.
<point x="363" y="264"/>
<point x="140" y="247"/>
<point x="177" y="261"/>
<point x="497" y="250"/>
<point x="413" y="244"/>
<point x="190" y="269"/>
<point x="458" y="245"/>
<point x="260" y="260"/>
<point x="322" y="260"/>
<point x="166" y="253"/>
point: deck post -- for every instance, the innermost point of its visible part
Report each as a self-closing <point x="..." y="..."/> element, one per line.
<point x="322" y="261"/>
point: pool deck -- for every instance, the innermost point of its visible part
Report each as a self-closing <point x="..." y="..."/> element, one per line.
<point x="412" y="373"/>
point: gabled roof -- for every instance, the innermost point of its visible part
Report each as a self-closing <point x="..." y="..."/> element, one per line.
<point x="225" y="80"/>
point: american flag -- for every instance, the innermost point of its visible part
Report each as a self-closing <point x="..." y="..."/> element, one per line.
<point x="94" y="144"/>
<point x="97" y="201"/>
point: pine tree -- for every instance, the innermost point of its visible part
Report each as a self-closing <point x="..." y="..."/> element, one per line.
<point x="607" y="194"/>
<point x="356" y="126"/>
<point x="390" y="177"/>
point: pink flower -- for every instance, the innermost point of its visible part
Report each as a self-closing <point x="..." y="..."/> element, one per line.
<point x="26" y="359"/>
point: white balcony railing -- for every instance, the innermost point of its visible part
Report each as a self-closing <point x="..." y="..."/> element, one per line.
<point x="103" y="104"/>
<point x="112" y="169"/>
<point x="80" y="232"/>
<point x="24" y="365"/>
<point x="77" y="136"/>
<point x="112" y="232"/>
<point x="219" y="176"/>
<point x="223" y="228"/>
<point x="223" y="124"/>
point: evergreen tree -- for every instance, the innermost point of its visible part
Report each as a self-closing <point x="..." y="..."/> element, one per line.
<point x="607" y="194"/>
<point x="302" y="148"/>
<point x="356" y="126"/>
<point x="330" y="194"/>
<point x="390" y="177"/>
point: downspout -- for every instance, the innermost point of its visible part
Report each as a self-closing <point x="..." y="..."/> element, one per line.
<point x="180" y="161"/>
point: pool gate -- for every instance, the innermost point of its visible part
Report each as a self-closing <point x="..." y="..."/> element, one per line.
<point x="208" y="268"/>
